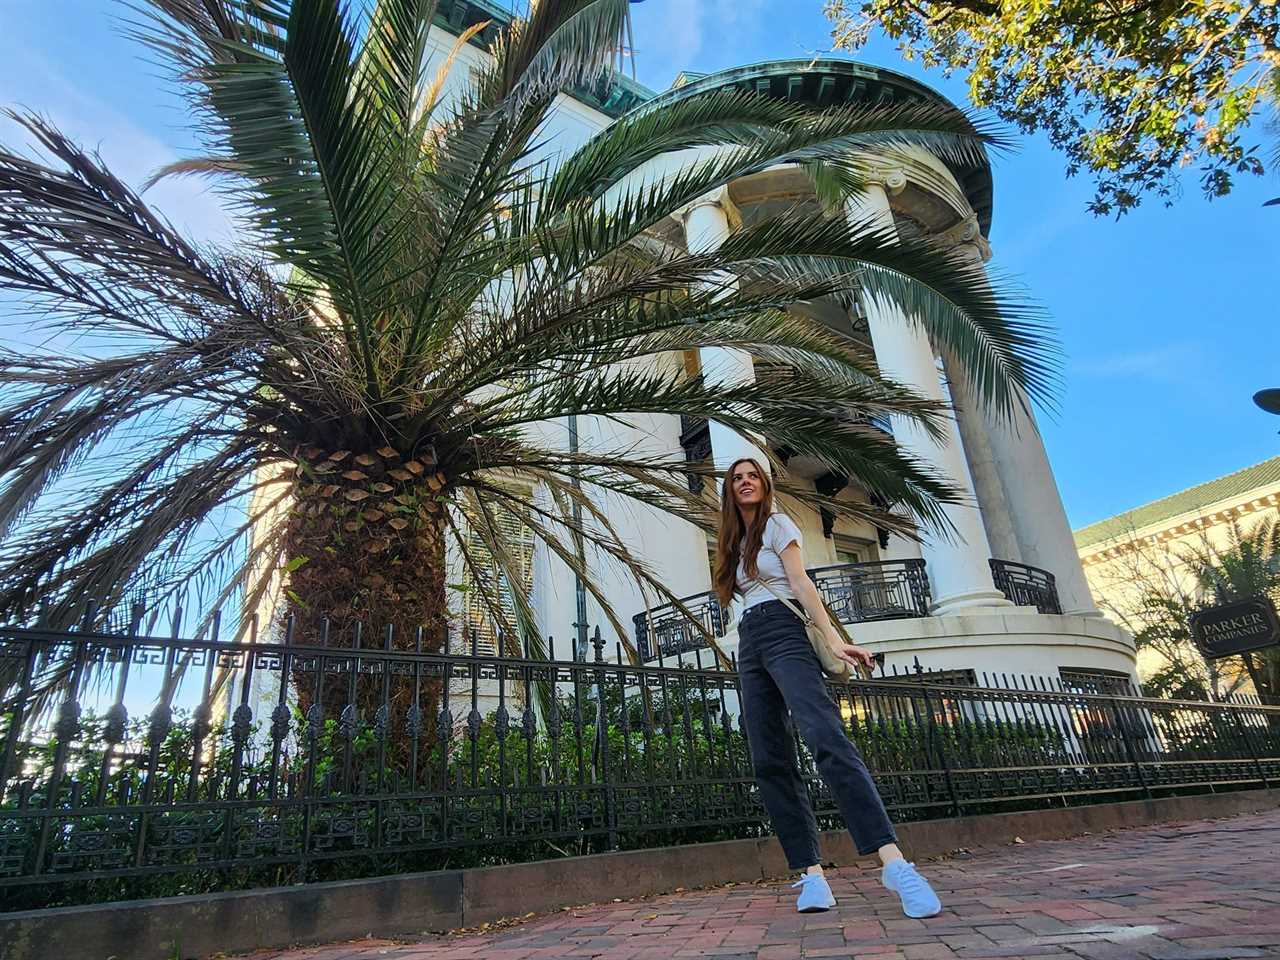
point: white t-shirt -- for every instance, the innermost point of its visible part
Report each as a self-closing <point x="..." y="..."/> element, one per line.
<point x="780" y="532"/>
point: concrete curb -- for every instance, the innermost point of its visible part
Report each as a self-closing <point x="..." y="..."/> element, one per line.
<point x="413" y="904"/>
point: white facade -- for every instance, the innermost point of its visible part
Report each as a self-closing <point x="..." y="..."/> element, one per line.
<point x="1013" y="511"/>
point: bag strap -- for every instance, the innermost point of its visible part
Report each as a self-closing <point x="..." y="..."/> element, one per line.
<point x="833" y="621"/>
<point x="787" y="602"/>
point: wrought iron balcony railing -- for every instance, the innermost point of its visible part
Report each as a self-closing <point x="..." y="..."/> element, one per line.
<point x="883" y="590"/>
<point x="1026" y="586"/>
<point x="665" y="631"/>
<point x="855" y="592"/>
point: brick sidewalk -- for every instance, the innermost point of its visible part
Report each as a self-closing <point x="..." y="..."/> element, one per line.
<point x="1204" y="889"/>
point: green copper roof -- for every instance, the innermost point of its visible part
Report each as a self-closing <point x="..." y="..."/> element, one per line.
<point x="1195" y="498"/>
<point x="820" y="81"/>
<point x="824" y="82"/>
<point x="613" y="96"/>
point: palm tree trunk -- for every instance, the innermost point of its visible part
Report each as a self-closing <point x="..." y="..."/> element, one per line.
<point x="366" y="569"/>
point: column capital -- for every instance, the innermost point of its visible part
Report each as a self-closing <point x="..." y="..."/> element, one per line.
<point x="965" y="237"/>
<point x="718" y="197"/>
<point x="888" y="176"/>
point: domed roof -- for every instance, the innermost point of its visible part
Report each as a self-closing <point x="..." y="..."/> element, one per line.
<point x="824" y="82"/>
<point x="821" y="81"/>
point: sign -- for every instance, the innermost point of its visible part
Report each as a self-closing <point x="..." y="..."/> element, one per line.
<point x="1235" y="628"/>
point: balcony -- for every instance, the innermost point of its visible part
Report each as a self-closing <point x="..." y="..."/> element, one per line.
<point x="1026" y="586"/>
<point x="885" y="590"/>
<point x="855" y="592"/>
<point x="665" y="631"/>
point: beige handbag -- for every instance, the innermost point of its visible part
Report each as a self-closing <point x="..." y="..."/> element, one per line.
<point x="832" y="666"/>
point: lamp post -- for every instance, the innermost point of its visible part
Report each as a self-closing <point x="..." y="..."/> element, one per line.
<point x="1268" y="400"/>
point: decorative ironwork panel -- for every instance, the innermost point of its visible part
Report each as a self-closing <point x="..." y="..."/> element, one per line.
<point x="882" y="590"/>
<point x="695" y="440"/>
<point x="93" y="843"/>
<point x="665" y="631"/>
<point x="1026" y="586"/>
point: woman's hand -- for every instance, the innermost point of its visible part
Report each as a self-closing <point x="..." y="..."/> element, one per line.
<point x="850" y="653"/>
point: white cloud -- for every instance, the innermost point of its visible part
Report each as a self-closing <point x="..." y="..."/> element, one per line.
<point x="129" y="150"/>
<point x="675" y="35"/>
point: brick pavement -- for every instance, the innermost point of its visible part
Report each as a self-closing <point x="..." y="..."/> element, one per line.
<point x="1200" y="890"/>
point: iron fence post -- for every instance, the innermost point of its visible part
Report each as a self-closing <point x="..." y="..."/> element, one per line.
<point x="956" y="809"/>
<point x="1123" y="724"/>
<point x="602" y="735"/>
<point x="1248" y="742"/>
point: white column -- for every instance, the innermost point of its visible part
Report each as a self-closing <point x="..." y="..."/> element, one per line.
<point x="706" y="227"/>
<point x="1025" y="479"/>
<point x="958" y="566"/>
<point x="1035" y="507"/>
<point x="993" y="506"/>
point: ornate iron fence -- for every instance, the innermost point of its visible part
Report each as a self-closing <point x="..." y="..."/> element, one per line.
<point x="1026" y="586"/>
<point x="883" y="590"/>
<point x="134" y="760"/>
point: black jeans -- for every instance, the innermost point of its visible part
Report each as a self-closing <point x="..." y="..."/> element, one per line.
<point x="778" y="671"/>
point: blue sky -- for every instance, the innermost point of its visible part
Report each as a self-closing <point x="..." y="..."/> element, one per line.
<point x="1166" y="317"/>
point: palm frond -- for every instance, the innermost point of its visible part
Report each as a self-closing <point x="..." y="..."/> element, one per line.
<point x="419" y="297"/>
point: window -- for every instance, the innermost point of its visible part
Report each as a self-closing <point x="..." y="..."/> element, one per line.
<point x="1102" y="724"/>
<point x="519" y="541"/>
<point x="909" y="709"/>
<point x="1105" y="682"/>
<point x="851" y="549"/>
<point x="951" y="678"/>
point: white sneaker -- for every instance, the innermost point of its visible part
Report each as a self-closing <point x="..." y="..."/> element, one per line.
<point x="815" y="894"/>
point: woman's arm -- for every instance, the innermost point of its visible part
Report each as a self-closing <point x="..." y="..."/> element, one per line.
<point x="807" y="592"/>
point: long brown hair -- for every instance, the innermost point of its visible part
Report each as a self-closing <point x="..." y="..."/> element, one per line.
<point x="739" y="539"/>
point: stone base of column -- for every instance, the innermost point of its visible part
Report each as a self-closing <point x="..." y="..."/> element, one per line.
<point x="977" y="601"/>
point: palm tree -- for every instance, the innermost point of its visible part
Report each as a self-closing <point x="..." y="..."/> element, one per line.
<point x="417" y="290"/>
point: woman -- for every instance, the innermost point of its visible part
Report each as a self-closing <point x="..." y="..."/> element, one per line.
<point x="778" y="671"/>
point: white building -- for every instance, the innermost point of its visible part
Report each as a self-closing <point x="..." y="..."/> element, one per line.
<point x="1008" y="595"/>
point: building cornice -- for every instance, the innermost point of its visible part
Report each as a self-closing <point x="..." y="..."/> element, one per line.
<point x="825" y="82"/>
<point x="1228" y="510"/>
